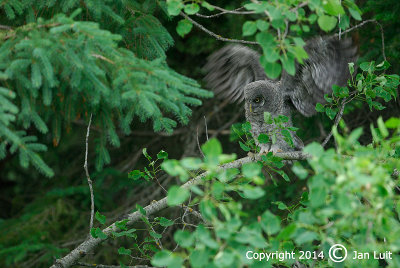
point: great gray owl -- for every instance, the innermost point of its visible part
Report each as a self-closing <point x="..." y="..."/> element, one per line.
<point x="235" y="73"/>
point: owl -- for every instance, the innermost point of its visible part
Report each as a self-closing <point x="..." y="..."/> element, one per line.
<point x="235" y="73"/>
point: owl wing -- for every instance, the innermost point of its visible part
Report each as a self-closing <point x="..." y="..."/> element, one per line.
<point x="230" y="69"/>
<point x="327" y="65"/>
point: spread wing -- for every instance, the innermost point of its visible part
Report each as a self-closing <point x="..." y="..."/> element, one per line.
<point x="230" y="69"/>
<point x="327" y="65"/>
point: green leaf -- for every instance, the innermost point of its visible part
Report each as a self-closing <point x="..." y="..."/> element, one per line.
<point x="174" y="7"/>
<point x="144" y="151"/>
<point x="162" y="155"/>
<point x="288" y="64"/>
<point x="393" y="122"/>
<point x="265" y="39"/>
<point x="315" y="149"/>
<point x="98" y="233"/>
<point x="212" y="148"/>
<point x="327" y="23"/>
<point x="166" y="258"/>
<point x="344" y="22"/>
<point x="249" y="28"/>
<point x="100" y="218"/>
<point x="272" y="69"/>
<point x="355" y="14"/>
<point x="351" y="67"/>
<point x="207" y="5"/>
<point x="317" y="196"/>
<point x="270" y="223"/>
<point x="244" y="147"/>
<point x="191" y="9"/>
<point x="319" y="107"/>
<point x="262" y="25"/>
<point x="191" y="163"/>
<point x="250" y="192"/>
<point x="184" y="238"/>
<point x="184" y="27"/>
<point x="382" y="128"/>
<point x="141" y="209"/>
<point x="251" y="170"/>
<point x="155" y="235"/>
<point x="124" y="251"/>
<point x="333" y="7"/>
<point x="263" y="138"/>
<point x="177" y="195"/>
<point x="306" y="237"/>
<point x="300" y="171"/>
<point x="165" y="222"/>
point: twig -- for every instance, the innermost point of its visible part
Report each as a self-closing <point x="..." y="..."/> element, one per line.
<point x="109" y="266"/>
<point x="85" y="166"/>
<point x="198" y="143"/>
<point x="225" y="11"/>
<point x="5" y="27"/>
<point x="337" y="120"/>
<point x="102" y="58"/>
<point x="90" y="243"/>
<point x="362" y="24"/>
<point x="216" y="36"/>
<point x="205" y="123"/>
<point x="227" y="124"/>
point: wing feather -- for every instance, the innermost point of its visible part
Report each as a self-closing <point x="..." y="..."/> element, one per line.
<point x="327" y="65"/>
<point x="230" y="69"/>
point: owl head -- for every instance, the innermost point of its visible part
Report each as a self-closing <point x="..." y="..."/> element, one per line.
<point x="262" y="96"/>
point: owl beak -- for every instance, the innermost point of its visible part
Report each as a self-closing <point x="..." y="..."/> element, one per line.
<point x="251" y="110"/>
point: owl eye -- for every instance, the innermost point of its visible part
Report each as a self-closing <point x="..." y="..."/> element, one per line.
<point x="257" y="100"/>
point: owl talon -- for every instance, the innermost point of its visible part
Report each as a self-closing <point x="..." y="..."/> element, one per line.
<point x="251" y="155"/>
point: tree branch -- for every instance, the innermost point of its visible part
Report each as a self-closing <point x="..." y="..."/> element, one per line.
<point x="109" y="266"/>
<point x="362" y="24"/>
<point x="216" y="36"/>
<point x="337" y="120"/>
<point x="225" y="11"/>
<point x="91" y="243"/>
<point x="85" y="166"/>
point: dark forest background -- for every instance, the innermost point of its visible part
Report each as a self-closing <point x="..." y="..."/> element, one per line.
<point x="45" y="205"/>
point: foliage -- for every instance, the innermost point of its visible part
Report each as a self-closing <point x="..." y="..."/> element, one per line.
<point x="349" y="200"/>
<point x="280" y="26"/>
<point x="368" y="86"/>
<point x="344" y="195"/>
<point x="62" y="69"/>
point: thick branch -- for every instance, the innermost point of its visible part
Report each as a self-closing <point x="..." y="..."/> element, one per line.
<point x="91" y="243"/>
<point x="216" y="36"/>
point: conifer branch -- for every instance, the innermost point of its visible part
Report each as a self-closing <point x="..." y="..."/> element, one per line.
<point x="216" y="36"/>
<point x="91" y="243"/>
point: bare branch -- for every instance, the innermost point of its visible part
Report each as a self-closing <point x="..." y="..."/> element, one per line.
<point x="109" y="266"/>
<point x="337" y="120"/>
<point x="85" y="166"/>
<point x="362" y="24"/>
<point x="5" y="27"/>
<point x="91" y="243"/>
<point x="216" y="36"/>
<point x="225" y="11"/>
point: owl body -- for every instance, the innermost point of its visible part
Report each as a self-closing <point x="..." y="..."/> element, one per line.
<point x="235" y="73"/>
<point x="265" y="96"/>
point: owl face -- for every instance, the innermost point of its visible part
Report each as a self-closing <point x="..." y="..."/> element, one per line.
<point x="259" y="97"/>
